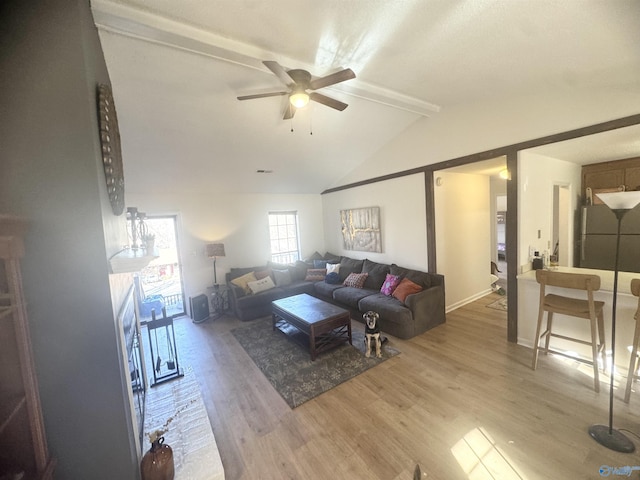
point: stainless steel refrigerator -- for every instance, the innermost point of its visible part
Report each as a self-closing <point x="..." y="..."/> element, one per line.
<point x="598" y="239"/>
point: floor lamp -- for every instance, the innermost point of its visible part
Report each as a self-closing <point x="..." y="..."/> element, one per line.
<point x="215" y="250"/>
<point x="619" y="203"/>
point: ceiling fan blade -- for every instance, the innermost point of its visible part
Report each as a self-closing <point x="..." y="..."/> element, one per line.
<point x="279" y="72"/>
<point x="262" y="95"/>
<point x="328" y="101"/>
<point x="289" y="112"/>
<point x="341" y="76"/>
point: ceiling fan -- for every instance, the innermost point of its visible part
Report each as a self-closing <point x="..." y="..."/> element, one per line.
<point x="300" y="87"/>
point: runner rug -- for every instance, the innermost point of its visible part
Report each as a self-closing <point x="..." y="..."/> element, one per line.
<point x="288" y="367"/>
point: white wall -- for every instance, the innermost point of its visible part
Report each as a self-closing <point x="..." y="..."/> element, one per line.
<point x="402" y="217"/>
<point x="51" y="172"/>
<point x="537" y="176"/>
<point x="463" y="225"/>
<point x="238" y="221"/>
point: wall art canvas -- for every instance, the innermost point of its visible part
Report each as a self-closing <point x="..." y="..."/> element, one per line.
<point x="361" y="229"/>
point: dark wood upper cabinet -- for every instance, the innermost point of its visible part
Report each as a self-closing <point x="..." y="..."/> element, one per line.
<point x="612" y="174"/>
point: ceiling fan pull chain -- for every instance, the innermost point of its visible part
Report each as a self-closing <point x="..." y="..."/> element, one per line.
<point x="311" y="120"/>
<point x="291" y="116"/>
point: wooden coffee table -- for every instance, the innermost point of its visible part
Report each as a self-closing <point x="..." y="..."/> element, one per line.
<point x="325" y="325"/>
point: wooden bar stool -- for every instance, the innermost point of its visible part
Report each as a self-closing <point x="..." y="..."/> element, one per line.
<point x="632" y="374"/>
<point x="575" y="307"/>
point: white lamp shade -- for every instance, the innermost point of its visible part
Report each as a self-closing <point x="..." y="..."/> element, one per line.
<point x="620" y="200"/>
<point x="215" y="250"/>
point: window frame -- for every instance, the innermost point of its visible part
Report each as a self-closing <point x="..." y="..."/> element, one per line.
<point x="286" y="254"/>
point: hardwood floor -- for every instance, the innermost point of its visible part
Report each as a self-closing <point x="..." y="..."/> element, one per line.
<point x="459" y="400"/>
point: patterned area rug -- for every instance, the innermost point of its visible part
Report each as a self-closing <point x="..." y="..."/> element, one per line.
<point x="288" y="367"/>
<point x="500" y="304"/>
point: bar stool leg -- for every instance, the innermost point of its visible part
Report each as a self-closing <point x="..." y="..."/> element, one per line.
<point x="548" y="332"/>
<point x="603" y="343"/>
<point x="594" y="353"/>
<point x="536" y="343"/>
<point x="633" y="363"/>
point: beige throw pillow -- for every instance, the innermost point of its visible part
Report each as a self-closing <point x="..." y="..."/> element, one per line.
<point x="244" y="280"/>
<point x="261" y="285"/>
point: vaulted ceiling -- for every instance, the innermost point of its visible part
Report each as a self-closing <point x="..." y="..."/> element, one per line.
<point x="177" y="68"/>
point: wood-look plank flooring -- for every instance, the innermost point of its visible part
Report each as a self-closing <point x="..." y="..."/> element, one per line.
<point x="459" y="400"/>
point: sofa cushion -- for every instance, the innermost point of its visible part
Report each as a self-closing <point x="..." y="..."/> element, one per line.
<point x="390" y="284"/>
<point x="238" y="272"/>
<point x="282" y="277"/>
<point x="296" y="288"/>
<point x="299" y="271"/>
<point x="351" y="296"/>
<point x="243" y="281"/>
<point x="377" y="274"/>
<point x="349" y="265"/>
<point x="331" y="257"/>
<point x="390" y="309"/>
<point x="324" y="289"/>
<point x="405" y="288"/>
<point x="261" y="285"/>
<point x="260" y="274"/>
<point x="260" y="299"/>
<point x="421" y="278"/>
<point x="355" y="280"/>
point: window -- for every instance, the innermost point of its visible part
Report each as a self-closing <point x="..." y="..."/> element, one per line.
<point x="283" y="232"/>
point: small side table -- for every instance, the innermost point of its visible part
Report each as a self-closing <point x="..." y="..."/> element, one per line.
<point x="219" y="299"/>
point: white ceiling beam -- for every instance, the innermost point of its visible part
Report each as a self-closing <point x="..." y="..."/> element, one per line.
<point x="135" y="23"/>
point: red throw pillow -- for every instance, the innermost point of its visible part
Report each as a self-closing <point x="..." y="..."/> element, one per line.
<point x="405" y="288"/>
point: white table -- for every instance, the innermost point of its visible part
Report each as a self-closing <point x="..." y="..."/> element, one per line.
<point x="195" y="453"/>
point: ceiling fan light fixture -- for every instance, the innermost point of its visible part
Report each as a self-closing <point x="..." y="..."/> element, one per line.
<point x="299" y="98"/>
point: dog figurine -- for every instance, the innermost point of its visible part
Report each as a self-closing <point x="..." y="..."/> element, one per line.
<point x="372" y="333"/>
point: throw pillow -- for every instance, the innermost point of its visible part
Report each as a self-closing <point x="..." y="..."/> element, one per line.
<point x="261" y="285"/>
<point x="377" y="274"/>
<point x="333" y="267"/>
<point x="316" y="274"/>
<point x="319" y="263"/>
<point x="282" y="277"/>
<point x="349" y="265"/>
<point x="331" y="257"/>
<point x="390" y="284"/>
<point x="260" y="274"/>
<point x="243" y="280"/>
<point x="355" y="280"/>
<point x="405" y="288"/>
<point x="332" y="278"/>
<point x="315" y="256"/>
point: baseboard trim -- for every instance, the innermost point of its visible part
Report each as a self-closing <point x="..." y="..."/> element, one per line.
<point x="467" y="300"/>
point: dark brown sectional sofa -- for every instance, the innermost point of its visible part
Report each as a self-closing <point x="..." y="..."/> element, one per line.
<point x="417" y="314"/>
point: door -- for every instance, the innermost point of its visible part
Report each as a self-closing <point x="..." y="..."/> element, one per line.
<point x="161" y="281"/>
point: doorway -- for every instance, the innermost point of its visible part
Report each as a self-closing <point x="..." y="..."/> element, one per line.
<point x="501" y="243"/>
<point x="161" y="282"/>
